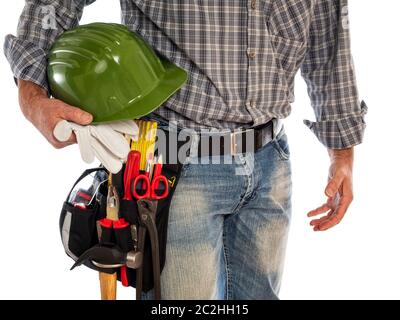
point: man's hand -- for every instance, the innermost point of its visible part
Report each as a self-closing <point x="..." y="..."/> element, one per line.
<point x="45" y="113"/>
<point x="339" y="191"/>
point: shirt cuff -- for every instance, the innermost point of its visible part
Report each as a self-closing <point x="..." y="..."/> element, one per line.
<point x="27" y="60"/>
<point x="341" y="133"/>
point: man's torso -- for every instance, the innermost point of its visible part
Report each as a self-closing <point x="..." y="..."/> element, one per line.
<point x="242" y="56"/>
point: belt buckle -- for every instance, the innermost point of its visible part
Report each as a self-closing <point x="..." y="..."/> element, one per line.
<point x="237" y="141"/>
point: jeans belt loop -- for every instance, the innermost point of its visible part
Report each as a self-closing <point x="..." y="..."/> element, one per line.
<point x="234" y="144"/>
<point x="237" y="141"/>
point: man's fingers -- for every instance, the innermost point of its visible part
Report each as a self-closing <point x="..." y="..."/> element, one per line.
<point x="75" y="115"/>
<point x="338" y="215"/>
<point x="344" y="203"/>
<point x="327" y="222"/>
<point x="322" y="219"/>
<point x="62" y="136"/>
<point x="72" y="139"/>
<point x="62" y="131"/>
<point x="59" y="145"/>
<point x="45" y="113"/>
<point x="322" y="209"/>
<point x="333" y="185"/>
<point x="333" y="220"/>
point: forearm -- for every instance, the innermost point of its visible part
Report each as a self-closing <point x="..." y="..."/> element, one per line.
<point x="28" y="92"/>
<point x="329" y="73"/>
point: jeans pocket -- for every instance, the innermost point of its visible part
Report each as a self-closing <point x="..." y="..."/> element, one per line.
<point x="281" y="145"/>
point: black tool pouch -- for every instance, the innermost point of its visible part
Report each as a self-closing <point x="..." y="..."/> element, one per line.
<point x="129" y="211"/>
<point x="78" y="217"/>
<point x="81" y="227"/>
<point x="80" y="230"/>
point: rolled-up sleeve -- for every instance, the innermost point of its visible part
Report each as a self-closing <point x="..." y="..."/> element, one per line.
<point x="329" y="73"/>
<point x="40" y="23"/>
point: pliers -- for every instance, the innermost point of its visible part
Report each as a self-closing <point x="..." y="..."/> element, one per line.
<point x="147" y="209"/>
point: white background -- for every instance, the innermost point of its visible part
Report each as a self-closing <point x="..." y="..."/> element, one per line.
<point x="357" y="260"/>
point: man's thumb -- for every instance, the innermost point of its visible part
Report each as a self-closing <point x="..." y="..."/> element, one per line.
<point x="76" y="115"/>
<point x="333" y="186"/>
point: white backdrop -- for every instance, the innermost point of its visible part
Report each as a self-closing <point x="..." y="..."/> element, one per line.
<point x="357" y="260"/>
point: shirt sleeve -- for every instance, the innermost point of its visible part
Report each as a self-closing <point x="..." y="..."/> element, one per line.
<point x="39" y="25"/>
<point x="329" y="73"/>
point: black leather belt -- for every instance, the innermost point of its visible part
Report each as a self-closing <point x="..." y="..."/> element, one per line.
<point x="217" y="143"/>
<point x="237" y="142"/>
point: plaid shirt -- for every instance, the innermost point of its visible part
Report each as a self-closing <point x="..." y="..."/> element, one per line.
<point x="241" y="56"/>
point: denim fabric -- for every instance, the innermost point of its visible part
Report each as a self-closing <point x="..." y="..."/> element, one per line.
<point x="228" y="227"/>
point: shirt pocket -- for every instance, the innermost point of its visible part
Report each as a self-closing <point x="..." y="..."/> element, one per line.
<point x="288" y="53"/>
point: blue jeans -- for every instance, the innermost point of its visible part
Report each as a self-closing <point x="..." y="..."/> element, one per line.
<point x="228" y="227"/>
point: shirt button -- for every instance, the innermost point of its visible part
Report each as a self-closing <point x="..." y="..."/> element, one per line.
<point x="252" y="103"/>
<point x="253" y="4"/>
<point x="252" y="54"/>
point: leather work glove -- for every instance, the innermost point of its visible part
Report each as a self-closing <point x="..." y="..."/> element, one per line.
<point x="106" y="141"/>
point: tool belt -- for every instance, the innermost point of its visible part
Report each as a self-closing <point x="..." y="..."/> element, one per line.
<point x="134" y="246"/>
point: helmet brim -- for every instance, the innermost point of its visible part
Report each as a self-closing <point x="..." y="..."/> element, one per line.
<point x="174" y="78"/>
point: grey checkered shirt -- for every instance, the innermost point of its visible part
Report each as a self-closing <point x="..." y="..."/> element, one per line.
<point x="241" y="56"/>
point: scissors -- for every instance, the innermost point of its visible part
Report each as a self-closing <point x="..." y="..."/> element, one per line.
<point x="150" y="188"/>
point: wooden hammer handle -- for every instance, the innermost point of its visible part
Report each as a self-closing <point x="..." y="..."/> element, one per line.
<point x="108" y="286"/>
<point x="108" y="282"/>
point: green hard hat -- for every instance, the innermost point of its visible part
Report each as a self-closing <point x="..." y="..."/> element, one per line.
<point x="110" y="72"/>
